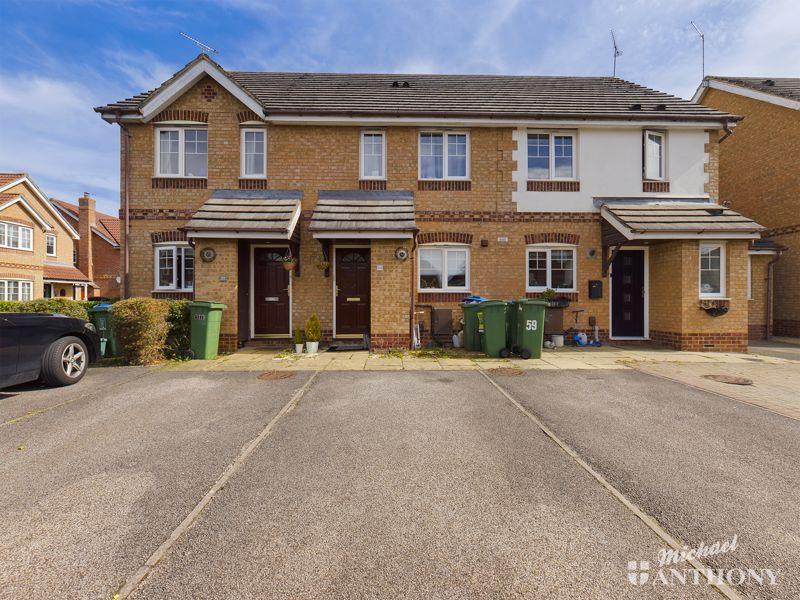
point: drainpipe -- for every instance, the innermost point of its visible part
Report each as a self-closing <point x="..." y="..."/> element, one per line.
<point x="728" y="132"/>
<point x="126" y="212"/>
<point x="770" y="286"/>
<point x="413" y="260"/>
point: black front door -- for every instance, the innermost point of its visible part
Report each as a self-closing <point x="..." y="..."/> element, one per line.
<point x="627" y="294"/>
<point x="270" y="292"/>
<point x="352" y="291"/>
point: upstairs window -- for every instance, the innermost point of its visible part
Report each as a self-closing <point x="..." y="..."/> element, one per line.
<point x="16" y="236"/>
<point x="654" y="155"/>
<point x="50" y="244"/>
<point x="443" y="155"/>
<point x="254" y="153"/>
<point x="443" y="268"/>
<point x="551" y="155"/>
<point x="174" y="268"/>
<point x="373" y="155"/>
<point x="554" y="268"/>
<point x="712" y="270"/>
<point x="181" y="152"/>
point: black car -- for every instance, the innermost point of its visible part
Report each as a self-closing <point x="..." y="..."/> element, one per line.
<point x="55" y="348"/>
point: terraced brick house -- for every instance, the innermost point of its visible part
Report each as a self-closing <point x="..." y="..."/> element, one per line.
<point x="37" y="245"/>
<point x="395" y="194"/>
<point x="760" y="177"/>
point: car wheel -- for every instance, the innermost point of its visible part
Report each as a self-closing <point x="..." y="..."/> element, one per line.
<point x="65" y="362"/>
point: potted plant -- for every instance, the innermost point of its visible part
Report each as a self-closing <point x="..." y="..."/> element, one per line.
<point x="313" y="334"/>
<point x="289" y="262"/>
<point x="553" y="301"/>
<point x="298" y="341"/>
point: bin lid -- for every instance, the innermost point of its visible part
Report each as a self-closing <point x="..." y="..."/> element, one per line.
<point x="532" y="301"/>
<point x="102" y="307"/>
<point x="207" y="304"/>
<point x="493" y="303"/>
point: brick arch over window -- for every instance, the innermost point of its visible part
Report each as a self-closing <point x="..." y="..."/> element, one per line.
<point x="439" y="237"/>
<point x="553" y="238"/>
<point x="159" y="237"/>
<point x="182" y="115"/>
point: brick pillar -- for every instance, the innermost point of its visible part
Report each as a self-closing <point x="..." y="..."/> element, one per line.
<point x="86" y="222"/>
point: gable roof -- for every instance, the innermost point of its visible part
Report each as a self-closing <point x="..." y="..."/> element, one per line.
<point x="436" y="96"/>
<point x="9" y="180"/>
<point x="7" y="200"/>
<point x="106" y="225"/>
<point x="784" y="91"/>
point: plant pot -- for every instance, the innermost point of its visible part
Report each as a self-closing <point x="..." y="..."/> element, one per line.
<point x="290" y="265"/>
<point x="323" y="265"/>
<point x="298" y="348"/>
<point x="558" y="303"/>
<point x="312" y="347"/>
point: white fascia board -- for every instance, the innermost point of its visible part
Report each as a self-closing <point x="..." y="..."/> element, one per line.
<point x="169" y="94"/>
<point x="759" y="252"/>
<point x="363" y="235"/>
<point x="743" y="91"/>
<point x="32" y="211"/>
<point x="46" y="202"/>
<point x="243" y="235"/>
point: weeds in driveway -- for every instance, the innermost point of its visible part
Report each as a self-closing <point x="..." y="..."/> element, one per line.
<point x="433" y="353"/>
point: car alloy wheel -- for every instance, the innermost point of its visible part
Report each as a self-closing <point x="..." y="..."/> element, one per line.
<point x="73" y="360"/>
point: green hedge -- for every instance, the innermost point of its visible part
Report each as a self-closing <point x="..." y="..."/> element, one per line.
<point x="178" y="337"/>
<point x="64" y="306"/>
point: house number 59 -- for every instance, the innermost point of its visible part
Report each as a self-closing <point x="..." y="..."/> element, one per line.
<point x="531" y="324"/>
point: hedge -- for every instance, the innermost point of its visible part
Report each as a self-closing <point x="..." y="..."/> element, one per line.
<point x="141" y="326"/>
<point x="64" y="306"/>
<point x="178" y="319"/>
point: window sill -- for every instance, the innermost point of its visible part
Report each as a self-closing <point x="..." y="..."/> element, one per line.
<point x="444" y="185"/>
<point x="16" y="249"/>
<point x="655" y="186"/>
<point x="372" y="184"/>
<point x="180" y="183"/>
<point x="172" y="295"/>
<point x="554" y="185"/>
<point x="443" y="291"/>
<point x="440" y="296"/>
<point x="253" y="183"/>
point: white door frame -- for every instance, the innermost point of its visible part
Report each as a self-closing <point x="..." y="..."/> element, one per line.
<point x="646" y="335"/>
<point x="253" y="291"/>
<point x="333" y="289"/>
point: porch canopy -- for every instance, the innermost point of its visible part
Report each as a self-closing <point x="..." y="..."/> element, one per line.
<point x="344" y="214"/>
<point x="247" y="214"/>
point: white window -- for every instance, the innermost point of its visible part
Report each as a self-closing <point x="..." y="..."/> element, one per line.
<point x="50" y="244"/>
<point x="712" y="270"/>
<point x="654" y="155"/>
<point x="443" y="155"/>
<point x="551" y="267"/>
<point x="551" y="155"/>
<point x="181" y="152"/>
<point x="16" y="236"/>
<point x="254" y="153"/>
<point x="174" y="268"/>
<point x="373" y="155"/>
<point x="443" y="268"/>
<point x="16" y="289"/>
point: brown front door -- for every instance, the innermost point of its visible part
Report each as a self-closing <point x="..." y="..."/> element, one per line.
<point x="270" y="292"/>
<point x="627" y="294"/>
<point x="352" y="291"/>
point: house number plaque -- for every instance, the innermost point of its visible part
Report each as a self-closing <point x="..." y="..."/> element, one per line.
<point x="208" y="254"/>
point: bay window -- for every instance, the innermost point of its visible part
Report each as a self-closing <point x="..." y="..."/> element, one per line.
<point x="443" y="155"/>
<point x="16" y="289"/>
<point x="373" y="155"/>
<point x="181" y="152"/>
<point x="712" y="270"/>
<point x="16" y="236"/>
<point x="551" y="155"/>
<point x="174" y="268"/>
<point x="654" y="162"/>
<point x="254" y="153"/>
<point x="443" y="268"/>
<point x="551" y="267"/>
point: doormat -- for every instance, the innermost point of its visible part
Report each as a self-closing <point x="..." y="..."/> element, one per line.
<point x="506" y="371"/>
<point x="729" y="379"/>
<point x="345" y="347"/>
<point x="272" y="375"/>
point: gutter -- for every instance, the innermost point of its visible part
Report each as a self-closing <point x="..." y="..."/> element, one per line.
<point x="728" y="132"/>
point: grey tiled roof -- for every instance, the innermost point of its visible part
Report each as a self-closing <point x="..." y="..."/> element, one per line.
<point x="671" y="216"/>
<point x="253" y="211"/>
<point x="476" y="96"/>
<point x="363" y="211"/>
<point x="785" y="87"/>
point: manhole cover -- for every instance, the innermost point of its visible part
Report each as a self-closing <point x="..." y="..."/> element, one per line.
<point x="506" y="371"/>
<point x="271" y="375"/>
<point x="729" y="379"/>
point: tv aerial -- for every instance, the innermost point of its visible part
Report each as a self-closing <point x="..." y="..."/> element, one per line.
<point x="702" y="49"/>
<point x="204" y="48"/>
<point x="617" y="51"/>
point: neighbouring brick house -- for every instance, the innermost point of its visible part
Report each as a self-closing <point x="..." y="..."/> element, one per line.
<point x="396" y="193"/>
<point x="36" y="245"/>
<point x="760" y="177"/>
<point x="97" y="255"/>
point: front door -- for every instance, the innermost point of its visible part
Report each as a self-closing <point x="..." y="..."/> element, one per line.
<point x="352" y="291"/>
<point x="627" y="294"/>
<point x="270" y="292"/>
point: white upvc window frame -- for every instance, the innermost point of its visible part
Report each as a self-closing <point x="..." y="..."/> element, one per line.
<point x="47" y="238"/>
<point x="444" y="249"/>
<point x="173" y="249"/>
<point x="445" y="175"/>
<point x="722" y="267"/>
<point x="5" y="243"/>
<point x="243" y="155"/>
<point x="362" y="163"/>
<point x="548" y="249"/>
<point x="662" y="167"/>
<point x="552" y="134"/>
<point x="181" y="152"/>
<point x="21" y="284"/>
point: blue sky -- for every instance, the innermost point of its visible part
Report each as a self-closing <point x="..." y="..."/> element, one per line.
<point x="62" y="58"/>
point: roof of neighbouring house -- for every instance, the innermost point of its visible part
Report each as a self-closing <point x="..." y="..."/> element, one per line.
<point x="766" y="245"/>
<point x="363" y="211"/>
<point x="107" y="225"/>
<point x="249" y="212"/>
<point x="6" y="178"/>
<point x="785" y="87"/>
<point x="425" y="95"/>
<point x="62" y="272"/>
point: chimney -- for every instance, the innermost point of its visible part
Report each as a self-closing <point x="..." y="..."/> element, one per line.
<point x="86" y="222"/>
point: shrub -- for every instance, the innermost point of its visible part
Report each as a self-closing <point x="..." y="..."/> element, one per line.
<point x="141" y="326"/>
<point x="313" y="330"/>
<point x="180" y="328"/>
<point x="298" y="336"/>
<point x="64" y="306"/>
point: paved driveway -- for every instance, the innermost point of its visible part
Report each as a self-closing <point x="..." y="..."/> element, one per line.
<point x="380" y="485"/>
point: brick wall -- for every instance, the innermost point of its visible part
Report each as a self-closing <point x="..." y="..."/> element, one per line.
<point x="757" y="314"/>
<point x="390" y="295"/>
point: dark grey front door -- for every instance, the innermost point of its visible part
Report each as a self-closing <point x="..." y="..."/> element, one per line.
<point x="627" y="294"/>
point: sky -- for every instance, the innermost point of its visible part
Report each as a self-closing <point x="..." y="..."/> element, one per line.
<point x="60" y="59"/>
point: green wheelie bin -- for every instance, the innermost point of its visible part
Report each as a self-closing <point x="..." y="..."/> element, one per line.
<point x="100" y="316"/>
<point x="495" y="328"/>
<point x="511" y="317"/>
<point x="471" y="336"/>
<point x="530" y="328"/>
<point x="206" y="318"/>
